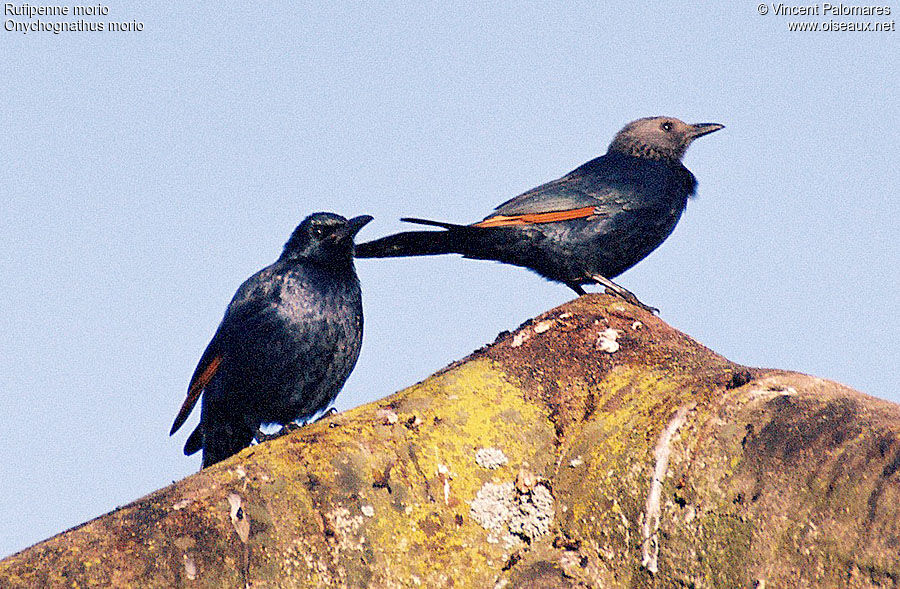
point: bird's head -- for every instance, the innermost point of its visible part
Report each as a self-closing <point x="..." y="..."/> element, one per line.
<point x="660" y="138"/>
<point x="325" y="238"/>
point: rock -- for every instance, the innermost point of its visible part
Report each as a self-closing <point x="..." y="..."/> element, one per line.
<point x="661" y="464"/>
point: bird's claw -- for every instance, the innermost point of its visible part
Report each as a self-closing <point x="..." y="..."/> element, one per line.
<point x="290" y="427"/>
<point x="623" y="293"/>
<point x="630" y="298"/>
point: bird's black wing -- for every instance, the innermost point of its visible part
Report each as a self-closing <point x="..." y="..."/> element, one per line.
<point x="206" y="369"/>
<point x="250" y="306"/>
<point x="558" y="195"/>
<point x="559" y="200"/>
<point x="593" y="189"/>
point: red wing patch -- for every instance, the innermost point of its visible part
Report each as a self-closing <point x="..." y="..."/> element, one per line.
<point x="534" y="218"/>
<point x="197" y="386"/>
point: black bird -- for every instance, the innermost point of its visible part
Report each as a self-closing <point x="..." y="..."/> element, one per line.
<point x="288" y="341"/>
<point x="588" y="226"/>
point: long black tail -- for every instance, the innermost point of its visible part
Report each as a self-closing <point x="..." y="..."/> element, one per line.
<point x="453" y="240"/>
<point x="218" y="441"/>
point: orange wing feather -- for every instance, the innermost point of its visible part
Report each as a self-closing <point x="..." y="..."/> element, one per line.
<point x="533" y="218"/>
<point x="197" y="386"/>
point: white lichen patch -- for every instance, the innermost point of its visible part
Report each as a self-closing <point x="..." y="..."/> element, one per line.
<point x="576" y="462"/>
<point x="519" y="339"/>
<point x="492" y="506"/>
<point x="490" y="458"/>
<point x="569" y="561"/>
<point x="182" y="504"/>
<point x="689" y="514"/>
<point x="510" y="514"/>
<point x="534" y="513"/>
<point x="387" y="416"/>
<point x="190" y="567"/>
<point x="367" y="510"/>
<point x="525" y="480"/>
<point x="606" y="341"/>
<point x="769" y="388"/>
<point x="543" y="326"/>
<point x="345" y="528"/>
<point x="636" y="325"/>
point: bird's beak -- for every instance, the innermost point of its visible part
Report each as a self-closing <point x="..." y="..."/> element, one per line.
<point x="701" y="129"/>
<point x="352" y="227"/>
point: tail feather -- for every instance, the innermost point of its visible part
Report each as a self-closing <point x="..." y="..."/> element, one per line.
<point x="411" y="243"/>
<point x="440" y="224"/>
<point x="194" y="441"/>
<point x="504" y="244"/>
<point x="218" y="441"/>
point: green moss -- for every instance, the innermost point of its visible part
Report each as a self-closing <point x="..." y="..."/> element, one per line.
<point x="429" y="458"/>
<point x="724" y="550"/>
<point x="379" y="496"/>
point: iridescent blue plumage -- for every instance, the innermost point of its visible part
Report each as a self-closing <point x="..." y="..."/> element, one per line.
<point x="289" y="339"/>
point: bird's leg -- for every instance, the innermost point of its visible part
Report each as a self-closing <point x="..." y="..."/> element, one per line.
<point x="576" y="287"/>
<point x="623" y="293"/>
<point x="290" y="427"/>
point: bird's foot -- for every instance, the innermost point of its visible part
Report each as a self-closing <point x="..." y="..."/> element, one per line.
<point x="285" y="430"/>
<point x="623" y="293"/>
<point x="261" y="437"/>
<point x="290" y="427"/>
<point x="328" y="413"/>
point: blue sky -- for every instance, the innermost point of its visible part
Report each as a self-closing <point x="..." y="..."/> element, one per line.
<point x="147" y="174"/>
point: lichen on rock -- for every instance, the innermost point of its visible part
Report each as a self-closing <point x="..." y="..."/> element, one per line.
<point x="548" y="459"/>
<point x="505" y="509"/>
<point x="490" y="458"/>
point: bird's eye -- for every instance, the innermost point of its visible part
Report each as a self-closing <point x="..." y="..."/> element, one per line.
<point x="318" y="231"/>
<point x="667" y="126"/>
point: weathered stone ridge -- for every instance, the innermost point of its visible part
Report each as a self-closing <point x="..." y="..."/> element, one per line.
<point x="594" y="446"/>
